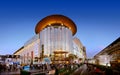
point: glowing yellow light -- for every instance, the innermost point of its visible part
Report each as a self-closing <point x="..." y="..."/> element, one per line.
<point x="49" y="24"/>
<point x="69" y="27"/>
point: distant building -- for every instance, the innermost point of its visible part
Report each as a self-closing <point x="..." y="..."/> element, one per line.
<point x="110" y="54"/>
<point x="54" y="39"/>
<point x="79" y="49"/>
<point x="10" y="59"/>
<point x="2" y="58"/>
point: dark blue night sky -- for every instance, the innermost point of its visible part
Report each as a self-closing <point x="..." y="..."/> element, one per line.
<point x="98" y="21"/>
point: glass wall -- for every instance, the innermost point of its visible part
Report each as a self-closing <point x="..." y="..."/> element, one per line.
<point x="56" y="38"/>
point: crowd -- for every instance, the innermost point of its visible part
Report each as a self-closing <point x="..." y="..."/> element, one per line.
<point x="85" y="69"/>
<point x="91" y="69"/>
<point x="50" y="68"/>
<point x="9" y="67"/>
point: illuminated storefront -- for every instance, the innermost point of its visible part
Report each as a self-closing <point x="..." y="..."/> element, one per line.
<point x="54" y="39"/>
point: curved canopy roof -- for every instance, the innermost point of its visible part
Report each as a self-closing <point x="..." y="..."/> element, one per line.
<point x="55" y="19"/>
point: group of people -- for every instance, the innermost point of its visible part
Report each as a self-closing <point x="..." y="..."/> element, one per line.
<point x="6" y="67"/>
<point x="91" y="69"/>
<point x="51" y="68"/>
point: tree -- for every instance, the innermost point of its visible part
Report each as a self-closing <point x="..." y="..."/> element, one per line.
<point x="72" y="57"/>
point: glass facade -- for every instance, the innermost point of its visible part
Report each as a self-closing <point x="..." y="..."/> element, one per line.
<point x="56" y="38"/>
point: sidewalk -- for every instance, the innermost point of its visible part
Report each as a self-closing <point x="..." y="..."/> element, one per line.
<point x="32" y="72"/>
<point x="10" y="73"/>
<point x="82" y="70"/>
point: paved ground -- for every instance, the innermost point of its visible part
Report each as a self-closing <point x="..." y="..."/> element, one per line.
<point x="18" y="72"/>
<point x="81" y="71"/>
<point x="10" y="73"/>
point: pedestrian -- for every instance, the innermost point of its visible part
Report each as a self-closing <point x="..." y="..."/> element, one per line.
<point x="97" y="71"/>
<point x="56" y="70"/>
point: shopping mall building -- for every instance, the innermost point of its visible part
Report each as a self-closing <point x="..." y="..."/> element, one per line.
<point x="54" y="39"/>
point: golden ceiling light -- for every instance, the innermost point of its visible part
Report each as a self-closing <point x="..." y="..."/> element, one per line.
<point x="53" y="19"/>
